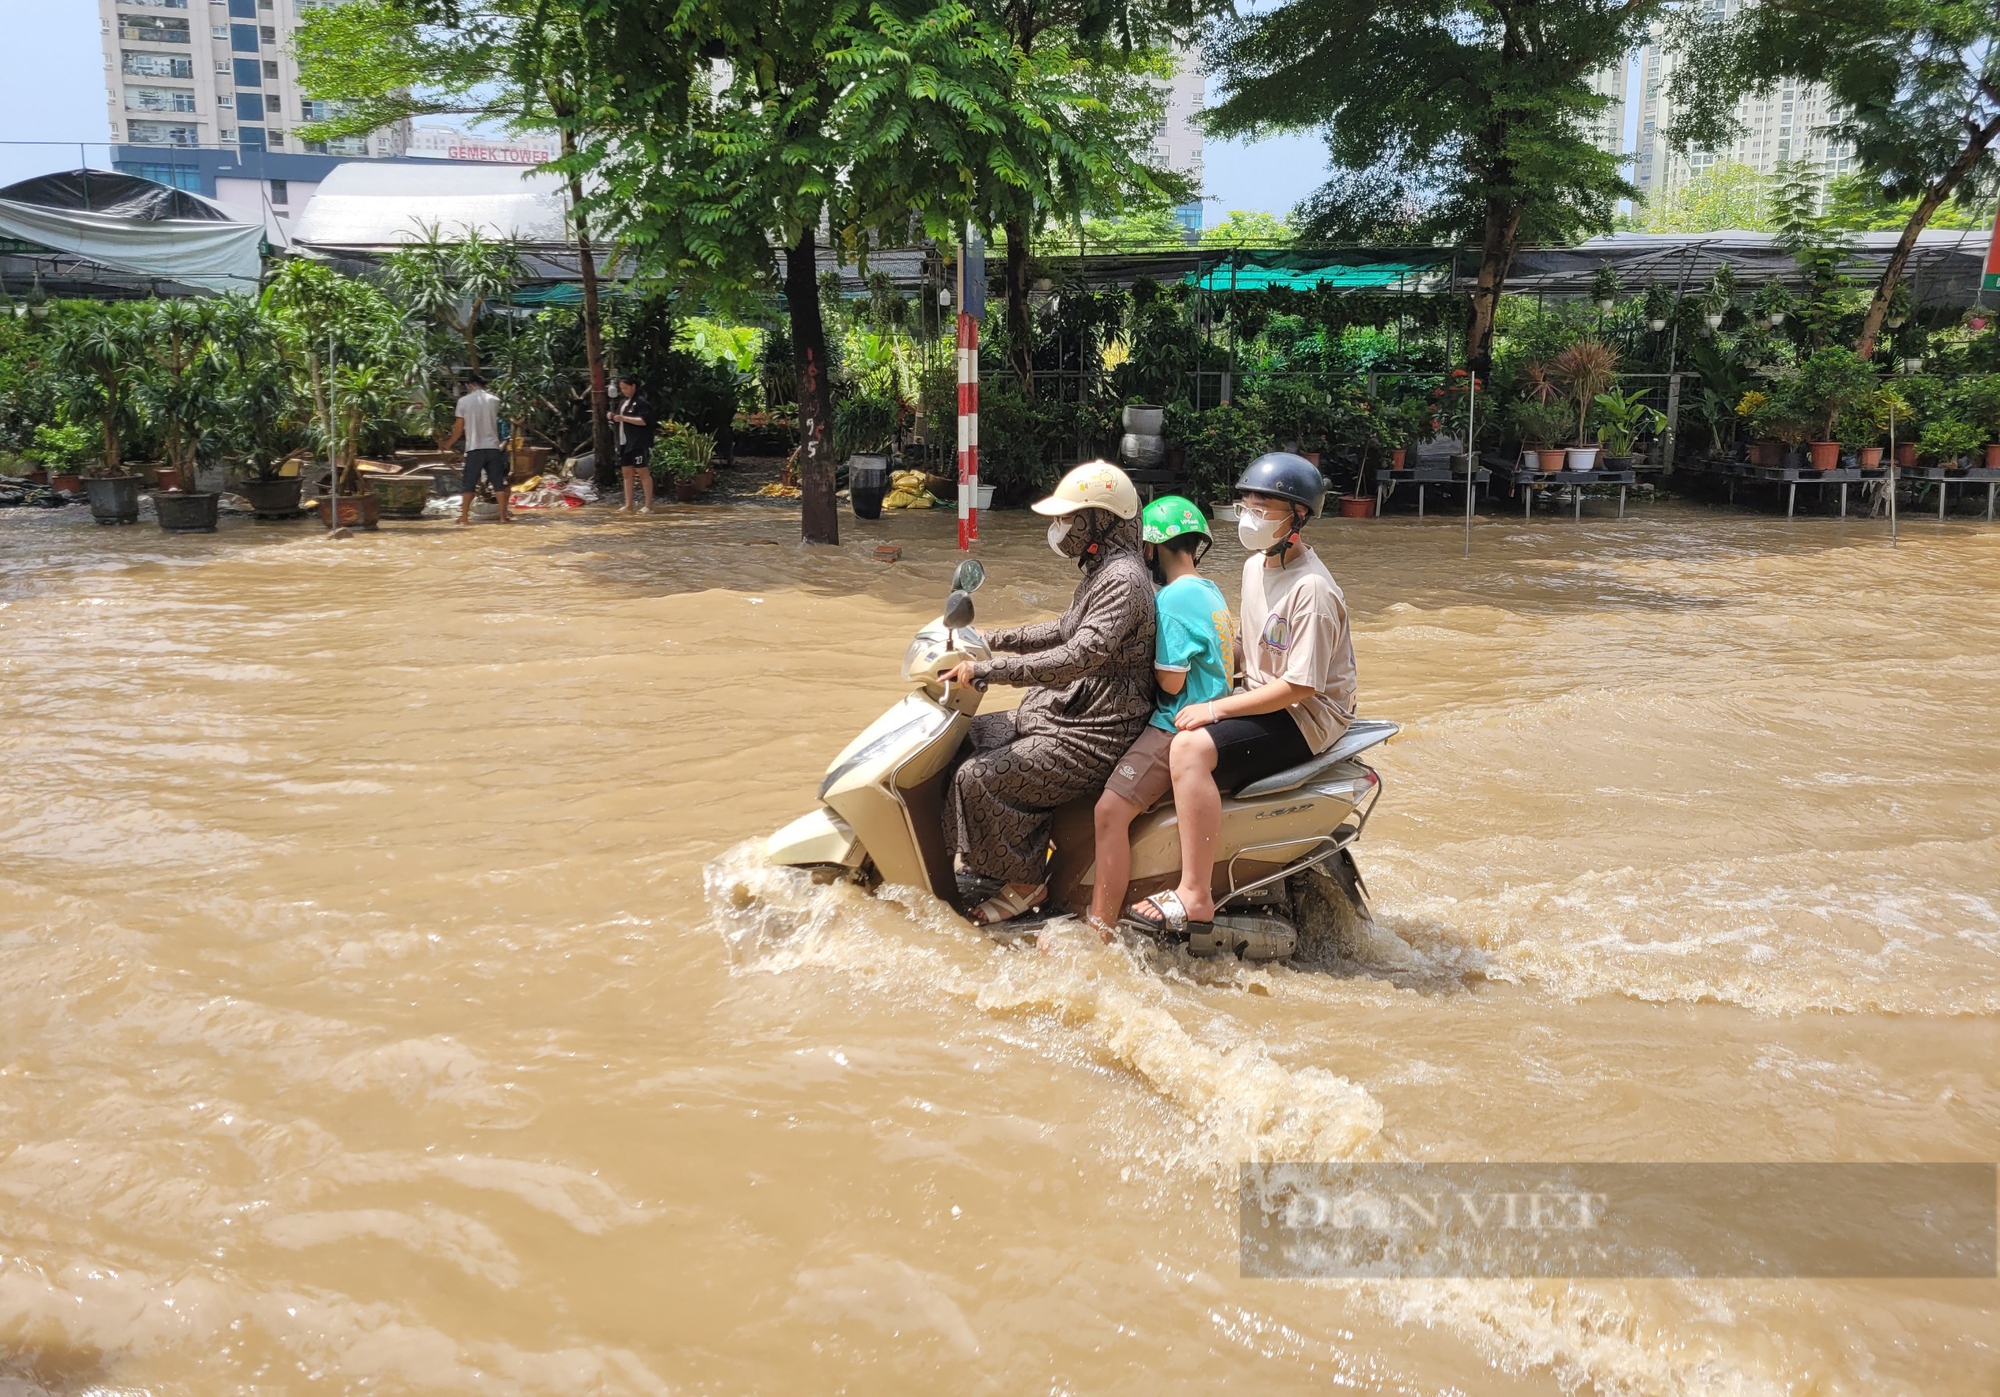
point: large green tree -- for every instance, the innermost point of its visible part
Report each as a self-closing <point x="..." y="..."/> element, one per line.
<point x="1121" y="51"/>
<point x="1446" y="120"/>
<point x="871" y="123"/>
<point x="527" y="63"/>
<point x="1915" y="87"/>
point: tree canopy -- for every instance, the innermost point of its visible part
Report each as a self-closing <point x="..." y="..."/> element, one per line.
<point x="873" y="122"/>
<point x="1915" y="86"/>
<point x="1446" y="120"/>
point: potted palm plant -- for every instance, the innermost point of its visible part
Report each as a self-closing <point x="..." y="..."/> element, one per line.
<point x="262" y="419"/>
<point x="1583" y="371"/>
<point x="95" y="353"/>
<point x="178" y="388"/>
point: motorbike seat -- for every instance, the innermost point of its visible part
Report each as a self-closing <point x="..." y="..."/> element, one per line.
<point x="1361" y="734"/>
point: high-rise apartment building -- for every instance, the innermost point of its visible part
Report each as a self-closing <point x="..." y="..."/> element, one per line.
<point x="1786" y="124"/>
<point x="1177" y="143"/>
<point x="1607" y="130"/>
<point x="204" y="95"/>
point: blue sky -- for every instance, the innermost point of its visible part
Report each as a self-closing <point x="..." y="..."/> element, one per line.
<point x="54" y="91"/>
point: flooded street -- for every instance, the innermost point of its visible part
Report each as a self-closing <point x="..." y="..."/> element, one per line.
<point x="392" y="998"/>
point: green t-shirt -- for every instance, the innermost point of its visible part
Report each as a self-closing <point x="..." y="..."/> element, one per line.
<point x="1195" y="637"/>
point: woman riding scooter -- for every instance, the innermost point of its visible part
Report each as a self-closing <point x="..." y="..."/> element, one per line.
<point x="1092" y="675"/>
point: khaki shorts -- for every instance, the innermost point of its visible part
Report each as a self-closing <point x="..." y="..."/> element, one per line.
<point x="1142" y="776"/>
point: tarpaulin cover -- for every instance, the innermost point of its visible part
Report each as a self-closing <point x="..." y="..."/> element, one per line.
<point x="189" y="243"/>
<point x="114" y="193"/>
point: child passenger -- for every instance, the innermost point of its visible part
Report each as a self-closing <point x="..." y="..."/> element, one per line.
<point x="1192" y="663"/>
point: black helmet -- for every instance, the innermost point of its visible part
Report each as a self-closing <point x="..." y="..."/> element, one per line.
<point x="1285" y="475"/>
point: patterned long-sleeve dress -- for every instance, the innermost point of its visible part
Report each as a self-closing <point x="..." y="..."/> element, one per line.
<point x="1092" y="673"/>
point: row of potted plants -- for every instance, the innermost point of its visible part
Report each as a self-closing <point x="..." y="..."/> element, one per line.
<point x="1834" y="402"/>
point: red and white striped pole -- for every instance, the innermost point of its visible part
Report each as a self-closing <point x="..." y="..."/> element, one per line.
<point x="968" y="428"/>
<point x="971" y="305"/>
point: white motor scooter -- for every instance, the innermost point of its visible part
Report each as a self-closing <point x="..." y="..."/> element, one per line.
<point x="1284" y="854"/>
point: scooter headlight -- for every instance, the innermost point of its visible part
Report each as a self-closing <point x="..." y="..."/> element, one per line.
<point x="919" y="729"/>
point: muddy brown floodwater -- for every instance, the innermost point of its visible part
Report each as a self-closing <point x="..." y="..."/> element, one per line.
<point x="392" y="999"/>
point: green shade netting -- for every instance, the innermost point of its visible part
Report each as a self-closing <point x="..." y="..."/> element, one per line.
<point x="1255" y="276"/>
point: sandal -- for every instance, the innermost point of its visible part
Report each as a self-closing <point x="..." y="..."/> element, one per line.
<point x="1006" y="905"/>
<point x="1170" y="915"/>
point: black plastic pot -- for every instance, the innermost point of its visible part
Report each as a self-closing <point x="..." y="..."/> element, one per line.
<point x="113" y="499"/>
<point x="272" y="499"/>
<point x="867" y="484"/>
<point x="189" y="513"/>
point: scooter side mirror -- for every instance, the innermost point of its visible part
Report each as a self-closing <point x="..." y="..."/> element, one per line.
<point x="958" y="610"/>
<point x="968" y="577"/>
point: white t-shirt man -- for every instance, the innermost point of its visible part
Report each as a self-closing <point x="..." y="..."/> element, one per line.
<point x="1295" y="628"/>
<point x="480" y="411"/>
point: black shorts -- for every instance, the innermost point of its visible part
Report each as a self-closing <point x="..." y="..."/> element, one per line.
<point x="1249" y="749"/>
<point x="490" y="462"/>
<point x="634" y="460"/>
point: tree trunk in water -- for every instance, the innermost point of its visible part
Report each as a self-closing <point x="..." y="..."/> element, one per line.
<point x="593" y="333"/>
<point x="1018" y="347"/>
<point x="1934" y="197"/>
<point x="820" y="522"/>
<point x="1496" y="259"/>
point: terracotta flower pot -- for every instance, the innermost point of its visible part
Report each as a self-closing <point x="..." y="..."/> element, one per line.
<point x="71" y="483"/>
<point x="1906" y="455"/>
<point x="38" y="475"/>
<point x="167" y="478"/>
<point x="1312" y="456"/>
<point x="1357" y="506"/>
<point x="686" y="490"/>
<point x="1992" y="457"/>
<point x="1551" y="459"/>
<point x="1825" y="455"/>
<point x="1871" y="458"/>
<point x="1397" y="457"/>
<point x="1767" y="453"/>
<point x="361" y="511"/>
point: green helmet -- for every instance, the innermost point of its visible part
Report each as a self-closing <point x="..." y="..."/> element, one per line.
<point x="1170" y="516"/>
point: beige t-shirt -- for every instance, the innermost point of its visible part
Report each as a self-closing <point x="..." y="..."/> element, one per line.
<point x="1295" y="629"/>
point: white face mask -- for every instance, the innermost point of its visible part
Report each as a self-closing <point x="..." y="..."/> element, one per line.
<point x="1258" y="534"/>
<point x="1058" y="531"/>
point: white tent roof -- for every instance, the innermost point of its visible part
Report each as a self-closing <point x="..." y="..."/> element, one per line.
<point x="373" y="204"/>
